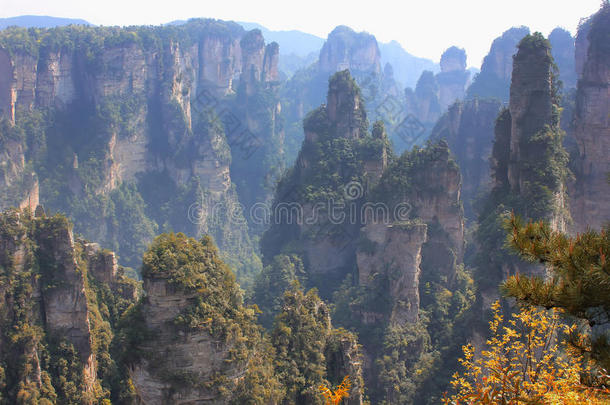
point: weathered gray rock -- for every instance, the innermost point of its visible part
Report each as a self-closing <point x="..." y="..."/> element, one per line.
<point x="394" y="251"/>
<point x="185" y="353"/>
<point x="51" y="289"/>
<point x="589" y="194"/>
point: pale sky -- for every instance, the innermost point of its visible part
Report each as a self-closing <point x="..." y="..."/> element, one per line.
<point x="424" y="28"/>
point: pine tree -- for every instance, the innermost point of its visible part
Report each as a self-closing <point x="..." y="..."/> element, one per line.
<point x="578" y="277"/>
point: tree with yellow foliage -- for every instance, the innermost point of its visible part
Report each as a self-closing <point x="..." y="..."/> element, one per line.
<point x="335" y="397"/>
<point x="523" y="364"/>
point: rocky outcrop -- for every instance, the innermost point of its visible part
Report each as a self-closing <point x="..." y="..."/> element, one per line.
<point x="199" y="342"/>
<point x="423" y="102"/>
<point x="350" y="204"/>
<point x="50" y="286"/>
<point x="345" y="110"/>
<point x="374" y="204"/>
<point x="431" y="196"/>
<point x="346" y="49"/>
<point x="531" y="104"/>
<point x="435" y="93"/>
<point x="439" y="201"/>
<point x="259" y="63"/>
<point x="187" y="354"/>
<point x="12" y="157"/>
<point x="495" y="77"/>
<point x="325" y="243"/>
<point x="359" y="53"/>
<point x="528" y="159"/>
<point x="393" y="250"/>
<point x="468" y="127"/>
<point x="7" y="95"/>
<point x="589" y="193"/>
<point x="528" y="172"/>
<point x="271" y="62"/>
<point x="453" y="78"/>
<point x="66" y="310"/>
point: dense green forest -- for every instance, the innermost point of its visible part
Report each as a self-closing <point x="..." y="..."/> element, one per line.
<point x="182" y="223"/>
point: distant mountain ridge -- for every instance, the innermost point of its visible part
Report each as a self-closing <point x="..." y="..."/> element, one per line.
<point x="299" y="49"/>
<point x="40" y="21"/>
<point x="407" y="67"/>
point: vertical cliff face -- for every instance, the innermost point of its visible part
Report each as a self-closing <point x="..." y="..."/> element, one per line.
<point x="199" y="344"/>
<point x="468" y="127"/>
<point x="345" y="109"/>
<point x="530" y="104"/>
<point x="65" y="306"/>
<point x="582" y="46"/>
<point x="196" y="354"/>
<point x="346" y="49"/>
<point x="589" y="201"/>
<point x="151" y="102"/>
<point x="6" y="89"/>
<point x="534" y="112"/>
<point x="259" y="62"/>
<point x="257" y="146"/>
<point x="396" y="254"/>
<point x="495" y="76"/>
<point x="47" y="293"/>
<point x="18" y="181"/>
<point x="337" y="145"/>
<point x="528" y="165"/>
<point x="339" y="125"/>
<point x="369" y="226"/>
<point x="428" y="182"/>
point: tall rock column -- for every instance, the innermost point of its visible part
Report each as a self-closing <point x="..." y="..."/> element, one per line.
<point x="528" y="166"/>
<point x="535" y="132"/>
<point x="453" y="78"/>
<point x="201" y="340"/>
<point x="590" y="205"/>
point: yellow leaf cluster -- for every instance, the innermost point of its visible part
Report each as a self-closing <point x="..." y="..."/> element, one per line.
<point x="335" y="397"/>
<point x="523" y="364"/>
